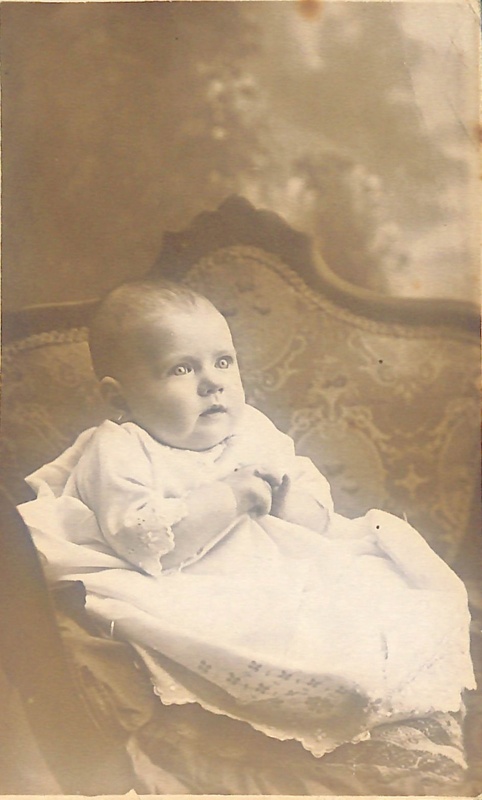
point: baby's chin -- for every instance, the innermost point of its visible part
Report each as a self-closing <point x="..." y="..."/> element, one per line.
<point x="207" y="435"/>
<point x="213" y="434"/>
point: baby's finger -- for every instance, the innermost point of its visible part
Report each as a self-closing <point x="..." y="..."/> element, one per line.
<point x="273" y="477"/>
<point x="264" y="499"/>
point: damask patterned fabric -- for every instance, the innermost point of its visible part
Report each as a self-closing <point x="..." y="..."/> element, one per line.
<point x="387" y="412"/>
<point x="49" y="396"/>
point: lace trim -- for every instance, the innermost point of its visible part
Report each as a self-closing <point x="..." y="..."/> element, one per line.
<point x="318" y="721"/>
<point x="171" y="692"/>
<point x="153" y="533"/>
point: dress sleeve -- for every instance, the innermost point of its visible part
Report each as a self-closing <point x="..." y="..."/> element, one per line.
<point x="308" y="479"/>
<point x="115" y="479"/>
<point x="269" y="445"/>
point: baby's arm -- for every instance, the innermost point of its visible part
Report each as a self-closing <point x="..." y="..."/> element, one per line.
<point x="300" y="493"/>
<point x="294" y="504"/>
<point x="303" y="497"/>
<point x="115" y="480"/>
<point x="213" y="508"/>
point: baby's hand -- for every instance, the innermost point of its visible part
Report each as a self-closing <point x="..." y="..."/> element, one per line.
<point x="279" y="496"/>
<point x="252" y="490"/>
<point x="272" y="475"/>
<point x="295" y="505"/>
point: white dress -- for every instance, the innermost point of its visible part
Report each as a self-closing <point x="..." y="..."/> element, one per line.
<point x="310" y="636"/>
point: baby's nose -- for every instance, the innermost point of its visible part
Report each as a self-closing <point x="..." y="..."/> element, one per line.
<point x="209" y="385"/>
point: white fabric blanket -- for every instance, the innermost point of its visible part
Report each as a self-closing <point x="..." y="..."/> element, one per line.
<point x="305" y="636"/>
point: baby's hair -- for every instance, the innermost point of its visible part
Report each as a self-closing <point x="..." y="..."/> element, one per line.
<point x="124" y="311"/>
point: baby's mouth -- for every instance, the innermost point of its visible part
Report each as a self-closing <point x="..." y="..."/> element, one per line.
<point x="213" y="410"/>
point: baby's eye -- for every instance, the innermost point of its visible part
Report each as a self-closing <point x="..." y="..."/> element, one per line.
<point x="181" y="369"/>
<point x="224" y="362"/>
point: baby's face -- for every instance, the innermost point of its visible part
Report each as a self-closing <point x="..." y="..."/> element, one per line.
<point x="185" y="389"/>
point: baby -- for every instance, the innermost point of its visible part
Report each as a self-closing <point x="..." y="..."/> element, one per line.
<point x="205" y="541"/>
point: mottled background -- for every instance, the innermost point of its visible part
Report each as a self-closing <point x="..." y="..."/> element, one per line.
<point x="356" y="121"/>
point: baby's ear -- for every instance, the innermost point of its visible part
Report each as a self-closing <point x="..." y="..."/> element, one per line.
<point x="112" y="392"/>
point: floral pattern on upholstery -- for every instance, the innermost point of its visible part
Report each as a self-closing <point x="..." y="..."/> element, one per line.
<point x="49" y="396"/>
<point x="388" y="412"/>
